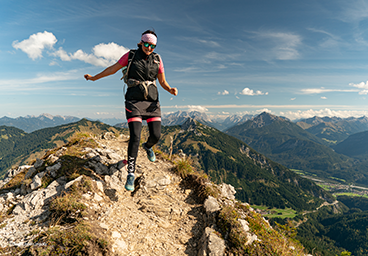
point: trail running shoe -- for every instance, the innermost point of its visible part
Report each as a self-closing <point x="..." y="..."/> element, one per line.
<point x="150" y="154"/>
<point x="129" y="184"/>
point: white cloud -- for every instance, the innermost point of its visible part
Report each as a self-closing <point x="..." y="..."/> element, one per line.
<point x="258" y="111"/>
<point x="249" y="92"/>
<point x="197" y="108"/>
<point x="110" y="51"/>
<point x="54" y="63"/>
<point x="35" y="44"/>
<point x="323" y="90"/>
<point x="225" y="92"/>
<point x="292" y="98"/>
<point x="361" y="85"/>
<point x="102" y="54"/>
<point x="324" y="98"/>
<point x="63" y="55"/>
<point x="90" y="59"/>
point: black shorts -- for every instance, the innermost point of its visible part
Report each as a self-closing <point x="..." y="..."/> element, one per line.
<point x="143" y="109"/>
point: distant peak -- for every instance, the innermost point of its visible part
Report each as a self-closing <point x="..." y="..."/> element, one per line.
<point x="265" y="119"/>
<point x="189" y="124"/>
<point x="49" y="116"/>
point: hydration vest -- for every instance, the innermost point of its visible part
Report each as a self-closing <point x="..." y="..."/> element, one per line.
<point x="141" y="74"/>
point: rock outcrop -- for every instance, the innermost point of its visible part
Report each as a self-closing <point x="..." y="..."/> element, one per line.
<point x="167" y="214"/>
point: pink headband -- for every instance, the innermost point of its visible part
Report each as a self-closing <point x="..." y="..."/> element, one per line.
<point x="149" y="38"/>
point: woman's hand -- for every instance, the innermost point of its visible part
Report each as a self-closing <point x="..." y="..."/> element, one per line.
<point x="162" y="80"/>
<point x="174" y="91"/>
<point x="88" y="77"/>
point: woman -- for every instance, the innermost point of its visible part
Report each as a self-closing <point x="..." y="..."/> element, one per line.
<point x="141" y="99"/>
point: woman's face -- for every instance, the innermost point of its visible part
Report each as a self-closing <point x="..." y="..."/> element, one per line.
<point x="147" y="50"/>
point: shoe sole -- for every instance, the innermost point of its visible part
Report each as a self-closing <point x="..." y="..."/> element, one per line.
<point x="129" y="189"/>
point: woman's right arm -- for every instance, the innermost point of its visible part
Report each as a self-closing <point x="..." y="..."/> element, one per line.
<point x="107" y="72"/>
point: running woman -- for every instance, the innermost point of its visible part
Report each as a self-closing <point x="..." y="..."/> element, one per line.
<point x="141" y="99"/>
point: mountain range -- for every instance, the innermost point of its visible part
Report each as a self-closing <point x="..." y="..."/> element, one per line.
<point x="19" y="147"/>
<point x="334" y="129"/>
<point x="33" y="123"/>
<point x="224" y="158"/>
<point x="179" y="117"/>
<point x="331" y="130"/>
<point x="287" y="143"/>
<point x="313" y="145"/>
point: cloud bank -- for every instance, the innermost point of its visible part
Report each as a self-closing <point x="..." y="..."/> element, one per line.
<point x="323" y="90"/>
<point x="197" y="108"/>
<point x="293" y="115"/>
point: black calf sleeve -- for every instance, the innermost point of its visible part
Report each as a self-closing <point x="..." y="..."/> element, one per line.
<point x="155" y="133"/>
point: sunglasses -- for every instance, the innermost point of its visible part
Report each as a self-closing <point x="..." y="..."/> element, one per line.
<point x="148" y="44"/>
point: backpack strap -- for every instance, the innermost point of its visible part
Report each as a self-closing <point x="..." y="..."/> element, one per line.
<point x="126" y="70"/>
<point x="157" y="58"/>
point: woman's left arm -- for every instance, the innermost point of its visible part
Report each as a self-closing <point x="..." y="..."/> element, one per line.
<point x="164" y="84"/>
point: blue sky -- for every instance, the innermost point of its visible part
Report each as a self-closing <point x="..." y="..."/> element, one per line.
<point x="292" y="58"/>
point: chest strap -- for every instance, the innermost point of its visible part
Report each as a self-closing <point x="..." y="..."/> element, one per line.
<point x="133" y="83"/>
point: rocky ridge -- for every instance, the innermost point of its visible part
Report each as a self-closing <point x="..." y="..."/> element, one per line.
<point x="168" y="213"/>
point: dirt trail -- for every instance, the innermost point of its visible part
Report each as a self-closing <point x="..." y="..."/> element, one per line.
<point x="161" y="217"/>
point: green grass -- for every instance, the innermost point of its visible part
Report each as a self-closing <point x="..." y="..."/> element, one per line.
<point x="300" y="172"/>
<point x="325" y="187"/>
<point x="350" y="194"/>
<point x="277" y="213"/>
<point x="334" y="178"/>
<point x="330" y="141"/>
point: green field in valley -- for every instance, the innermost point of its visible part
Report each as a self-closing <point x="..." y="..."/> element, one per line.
<point x="276" y="213"/>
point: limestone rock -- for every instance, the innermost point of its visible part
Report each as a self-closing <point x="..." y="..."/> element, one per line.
<point x="37" y="181"/>
<point x="228" y="191"/>
<point x="53" y="169"/>
<point x="30" y="172"/>
<point x="211" y="205"/>
<point x="108" y="136"/>
<point x="211" y="244"/>
<point x="38" y="163"/>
